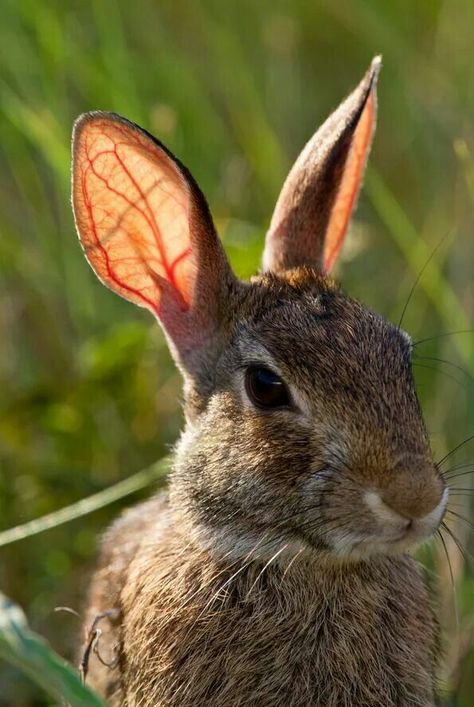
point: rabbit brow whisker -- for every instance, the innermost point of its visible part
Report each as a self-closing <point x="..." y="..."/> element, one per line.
<point x="448" y="363"/>
<point x="444" y="334"/>
<point x="437" y="370"/>
<point x="420" y="275"/>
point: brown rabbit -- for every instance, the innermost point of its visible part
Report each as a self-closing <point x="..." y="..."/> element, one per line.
<point x="276" y="571"/>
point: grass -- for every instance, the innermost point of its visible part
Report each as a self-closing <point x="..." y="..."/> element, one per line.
<point x="88" y="392"/>
<point x="20" y="646"/>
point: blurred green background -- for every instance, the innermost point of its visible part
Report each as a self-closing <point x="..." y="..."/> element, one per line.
<point x="88" y="394"/>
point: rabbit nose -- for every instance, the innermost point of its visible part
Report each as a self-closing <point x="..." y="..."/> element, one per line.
<point x="418" y="528"/>
<point x="413" y="493"/>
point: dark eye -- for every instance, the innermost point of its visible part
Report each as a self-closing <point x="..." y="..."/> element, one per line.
<point x="265" y="389"/>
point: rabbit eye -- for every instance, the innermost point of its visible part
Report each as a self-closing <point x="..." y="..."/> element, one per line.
<point x="265" y="389"/>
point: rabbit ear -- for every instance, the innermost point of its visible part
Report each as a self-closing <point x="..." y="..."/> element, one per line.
<point x="146" y="229"/>
<point x="317" y="199"/>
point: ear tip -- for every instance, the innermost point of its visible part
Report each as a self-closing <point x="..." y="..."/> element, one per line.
<point x="84" y="120"/>
<point x="368" y="84"/>
<point x="376" y="62"/>
<point x="81" y="123"/>
<point x="374" y="69"/>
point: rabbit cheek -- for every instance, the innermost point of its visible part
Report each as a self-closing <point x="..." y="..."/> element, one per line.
<point x="236" y="477"/>
<point x="355" y="520"/>
<point x="331" y="511"/>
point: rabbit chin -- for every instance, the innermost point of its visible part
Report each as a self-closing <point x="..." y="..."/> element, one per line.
<point x="358" y="546"/>
<point x="353" y="547"/>
<point x="233" y="544"/>
<point x="386" y="533"/>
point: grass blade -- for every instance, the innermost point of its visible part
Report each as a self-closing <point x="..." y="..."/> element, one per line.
<point x="87" y="505"/>
<point x="29" y="652"/>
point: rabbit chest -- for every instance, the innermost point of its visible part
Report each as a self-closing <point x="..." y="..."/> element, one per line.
<point x="198" y="631"/>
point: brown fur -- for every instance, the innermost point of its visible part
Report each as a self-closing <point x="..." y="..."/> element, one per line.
<point x="204" y="622"/>
<point x="198" y="634"/>
<point x="276" y="572"/>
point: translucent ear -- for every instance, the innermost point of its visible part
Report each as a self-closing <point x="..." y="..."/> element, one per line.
<point x="145" y="226"/>
<point x="315" y="205"/>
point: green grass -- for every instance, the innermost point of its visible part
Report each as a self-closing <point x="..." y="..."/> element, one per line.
<point x="88" y="393"/>
<point x="31" y="654"/>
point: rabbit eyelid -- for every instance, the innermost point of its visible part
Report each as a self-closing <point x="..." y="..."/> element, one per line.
<point x="256" y="355"/>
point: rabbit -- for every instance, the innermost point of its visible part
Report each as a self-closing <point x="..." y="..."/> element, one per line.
<point x="276" y="570"/>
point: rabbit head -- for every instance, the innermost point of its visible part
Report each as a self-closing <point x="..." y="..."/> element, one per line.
<point x="303" y="428"/>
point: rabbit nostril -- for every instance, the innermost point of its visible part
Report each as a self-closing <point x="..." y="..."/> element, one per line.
<point x="388" y="513"/>
<point x="412" y="516"/>
<point x="413" y="494"/>
<point x="384" y="511"/>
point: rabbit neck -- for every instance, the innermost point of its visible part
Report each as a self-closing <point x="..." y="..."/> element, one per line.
<point x="298" y="634"/>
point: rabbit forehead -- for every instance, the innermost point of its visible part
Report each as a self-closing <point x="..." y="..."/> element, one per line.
<point x="321" y="331"/>
<point x="349" y="364"/>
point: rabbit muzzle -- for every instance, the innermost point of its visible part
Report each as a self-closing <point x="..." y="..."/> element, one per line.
<point x="411" y="505"/>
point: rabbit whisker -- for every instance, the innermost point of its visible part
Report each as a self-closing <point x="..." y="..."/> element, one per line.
<point x="456" y="448"/>
<point x="448" y="363"/>
<point x="461" y="517"/>
<point x="444" y="334"/>
<point x="466" y="555"/>
<point x="326" y="526"/>
<point x="457" y="505"/>
<point x="437" y="370"/>
<point x="420" y="275"/>
<point x="290" y="563"/>
<point x="456" y="476"/>
<point x="464" y="465"/>
<point x="267" y="564"/>
<point x="451" y="574"/>
<point x="226" y="584"/>
<point x="458" y="491"/>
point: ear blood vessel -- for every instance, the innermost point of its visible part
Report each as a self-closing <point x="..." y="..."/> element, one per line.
<point x="276" y="570"/>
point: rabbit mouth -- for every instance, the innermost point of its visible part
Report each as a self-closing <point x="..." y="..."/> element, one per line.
<point x="408" y="530"/>
<point x="391" y="533"/>
<point x="357" y="548"/>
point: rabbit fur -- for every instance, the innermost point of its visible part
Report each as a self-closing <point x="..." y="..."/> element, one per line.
<point x="276" y="568"/>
